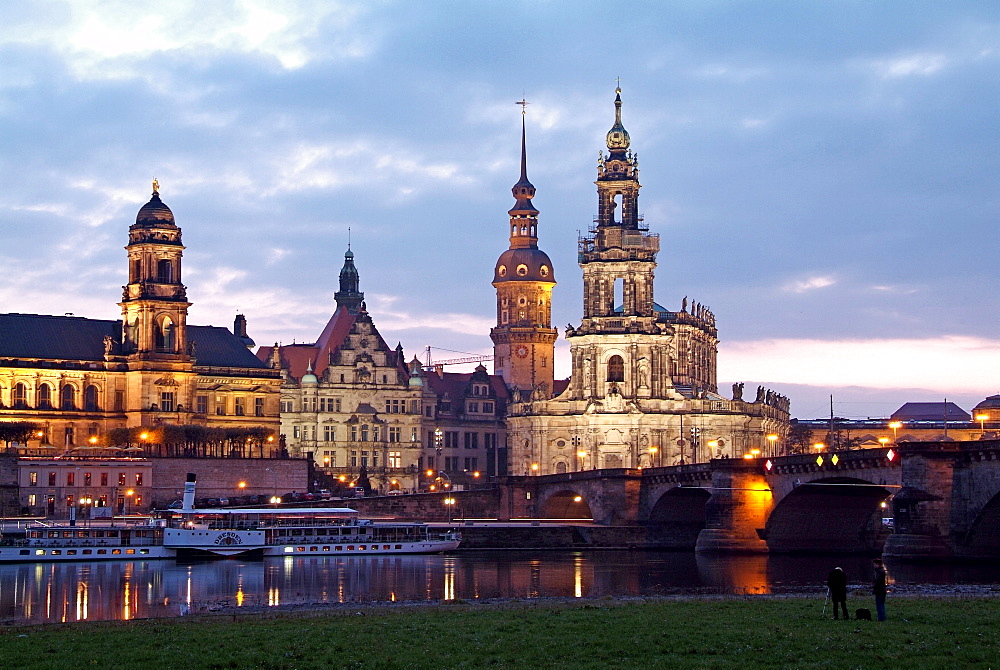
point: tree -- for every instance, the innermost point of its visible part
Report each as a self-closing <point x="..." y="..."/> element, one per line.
<point x="800" y="438"/>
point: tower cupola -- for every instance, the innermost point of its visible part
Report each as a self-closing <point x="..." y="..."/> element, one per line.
<point x="349" y="296"/>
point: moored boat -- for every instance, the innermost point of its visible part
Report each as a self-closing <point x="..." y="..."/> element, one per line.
<point x="47" y="542"/>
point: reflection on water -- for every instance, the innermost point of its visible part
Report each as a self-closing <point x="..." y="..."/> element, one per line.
<point x="41" y="592"/>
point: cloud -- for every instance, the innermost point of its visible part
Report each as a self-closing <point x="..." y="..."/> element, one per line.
<point x="922" y="65"/>
<point x="957" y="362"/>
<point x="809" y="284"/>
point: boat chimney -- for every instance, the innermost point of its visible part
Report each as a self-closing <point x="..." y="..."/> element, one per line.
<point x="192" y="478"/>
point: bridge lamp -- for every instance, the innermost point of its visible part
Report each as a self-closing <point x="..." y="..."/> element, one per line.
<point x="883" y="441"/>
<point x="534" y="468"/>
<point x="981" y="418"/>
<point x="652" y="456"/>
<point x="577" y="499"/>
<point x="895" y="425"/>
<point x="772" y="438"/>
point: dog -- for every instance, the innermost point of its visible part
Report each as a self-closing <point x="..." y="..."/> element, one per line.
<point x="863" y="614"/>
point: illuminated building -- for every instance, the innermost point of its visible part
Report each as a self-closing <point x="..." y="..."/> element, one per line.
<point x="643" y="390"/>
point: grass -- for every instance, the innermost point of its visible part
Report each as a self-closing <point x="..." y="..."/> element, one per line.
<point x="751" y="632"/>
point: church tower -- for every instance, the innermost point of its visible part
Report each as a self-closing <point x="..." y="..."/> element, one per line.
<point x="524" y="339"/>
<point x="154" y="303"/>
<point x="349" y="296"/>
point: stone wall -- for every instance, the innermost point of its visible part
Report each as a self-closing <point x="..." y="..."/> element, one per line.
<point x="220" y="477"/>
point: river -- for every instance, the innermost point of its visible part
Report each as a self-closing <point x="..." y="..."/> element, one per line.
<point x="119" y="590"/>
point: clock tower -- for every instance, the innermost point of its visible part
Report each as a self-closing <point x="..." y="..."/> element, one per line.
<point x="524" y="339"/>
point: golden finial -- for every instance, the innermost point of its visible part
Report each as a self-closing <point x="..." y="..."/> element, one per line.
<point x="618" y="84"/>
<point x="156" y="186"/>
<point x="524" y="104"/>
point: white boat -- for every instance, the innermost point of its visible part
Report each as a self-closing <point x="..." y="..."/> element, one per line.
<point x="190" y="532"/>
<point x="52" y="542"/>
<point x="299" y="532"/>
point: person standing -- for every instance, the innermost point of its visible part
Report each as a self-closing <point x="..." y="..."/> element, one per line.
<point x="836" y="581"/>
<point x="879" y="588"/>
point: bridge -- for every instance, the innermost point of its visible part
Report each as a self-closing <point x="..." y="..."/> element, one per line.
<point x="943" y="500"/>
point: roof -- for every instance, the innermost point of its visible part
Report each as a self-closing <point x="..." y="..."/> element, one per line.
<point x="455" y="384"/>
<point x="930" y="411"/>
<point x="75" y="338"/>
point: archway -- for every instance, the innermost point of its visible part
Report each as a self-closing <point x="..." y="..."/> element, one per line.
<point x="678" y="517"/>
<point x="983" y="538"/>
<point x="838" y="514"/>
<point x="566" y="504"/>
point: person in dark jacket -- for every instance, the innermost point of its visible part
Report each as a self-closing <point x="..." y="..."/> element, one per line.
<point x="879" y="588"/>
<point x="836" y="581"/>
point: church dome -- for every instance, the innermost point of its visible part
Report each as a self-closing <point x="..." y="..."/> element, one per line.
<point x="154" y="213"/>
<point x="527" y="264"/>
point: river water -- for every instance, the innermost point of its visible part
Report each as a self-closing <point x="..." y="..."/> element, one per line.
<point x="66" y="592"/>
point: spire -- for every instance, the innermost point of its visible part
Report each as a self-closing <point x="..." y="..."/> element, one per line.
<point x="349" y="295"/>
<point x="523" y="215"/>
<point x="618" y="138"/>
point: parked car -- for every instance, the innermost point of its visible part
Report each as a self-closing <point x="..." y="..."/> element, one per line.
<point x="359" y="492"/>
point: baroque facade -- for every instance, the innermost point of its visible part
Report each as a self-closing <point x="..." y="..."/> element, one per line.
<point x="78" y="379"/>
<point x="643" y="390"/>
<point x="354" y="404"/>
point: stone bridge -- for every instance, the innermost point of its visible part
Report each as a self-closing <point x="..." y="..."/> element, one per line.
<point x="943" y="500"/>
<point x="787" y="504"/>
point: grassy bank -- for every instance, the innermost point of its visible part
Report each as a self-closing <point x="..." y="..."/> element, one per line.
<point x="753" y="632"/>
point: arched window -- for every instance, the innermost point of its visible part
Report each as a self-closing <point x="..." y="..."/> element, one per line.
<point x="165" y="272"/>
<point x="44" y="397"/>
<point x="68" y="397"/>
<point x="560" y="468"/>
<point x="20" y="399"/>
<point x="164" y="336"/>
<point x="90" y="399"/>
<point x="616" y="369"/>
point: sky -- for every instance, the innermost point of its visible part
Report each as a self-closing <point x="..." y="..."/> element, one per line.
<point x="823" y="175"/>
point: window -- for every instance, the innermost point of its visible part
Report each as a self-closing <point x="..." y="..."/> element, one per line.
<point x="258" y="407"/>
<point x="473" y="407"/>
<point x="428" y="411"/>
<point x="119" y="401"/>
<point x="87" y="479"/>
<point x="136" y="271"/>
<point x="90" y="399"/>
<point x="138" y="479"/>
<point x="451" y="439"/>
<point x="52" y="479"/>
<point x="121" y="479"/>
<point x="375" y="433"/>
<point x="32" y="500"/>
<point x="201" y="404"/>
<point x="471" y="464"/>
<point x="413" y="435"/>
<point x="104" y="479"/>
<point x="44" y="397"/>
<point x="354" y="433"/>
<point x="336" y="403"/>
<point x="374" y="459"/>
<point x="487" y="408"/>
<point x="241" y="407"/>
<point x="32" y="479"/>
<point x="296" y="432"/>
<point x="364" y="432"/>
<point x="68" y="397"/>
<point x="395" y="459"/>
<point x="354" y="459"/>
<point x="490" y="440"/>
<point x="70" y="479"/>
<point x="472" y="440"/>
<point x="395" y="432"/>
<point x="165" y="272"/>
<point x="20" y="396"/>
<point x="69" y="436"/>
<point x="167" y="401"/>
<point x="616" y="369"/>
<point x="220" y="406"/>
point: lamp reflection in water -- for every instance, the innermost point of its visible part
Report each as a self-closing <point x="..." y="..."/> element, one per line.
<point x="578" y="577"/>
<point x="449" y="579"/>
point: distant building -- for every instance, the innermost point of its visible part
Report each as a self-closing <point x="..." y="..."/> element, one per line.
<point x="643" y="389"/>
<point x="354" y="404"/>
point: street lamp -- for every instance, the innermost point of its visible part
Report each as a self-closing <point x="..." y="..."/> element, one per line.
<point x="582" y="455"/>
<point x="652" y="457"/>
<point x="128" y="495"/>
<point x="981" y="418"/>
<point x="895" y="425"/>
<point x="534" y="468"/>
<point x="449" y="503"/>
<point x="772" y="438"/>
<point x="819" y="446"/>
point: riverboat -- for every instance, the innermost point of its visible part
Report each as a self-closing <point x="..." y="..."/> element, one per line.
<point x="299" y="532"/>
<point x="56" y="542"/>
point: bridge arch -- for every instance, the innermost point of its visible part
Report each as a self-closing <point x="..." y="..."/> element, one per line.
<point x="565" y="504"/>
<point x="984" y="535"/>
<point x="678" y="516"/>
<point x="840" y="514"/>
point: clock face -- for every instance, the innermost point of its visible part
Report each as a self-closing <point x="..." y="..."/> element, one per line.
<point x="521" y="351"/>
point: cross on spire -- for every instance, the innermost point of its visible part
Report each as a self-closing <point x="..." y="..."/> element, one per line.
<point x="524" y="104"/>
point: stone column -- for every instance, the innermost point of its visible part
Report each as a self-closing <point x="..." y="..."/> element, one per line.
<point x="740" y="504"/>
<point x="922" y="509"/>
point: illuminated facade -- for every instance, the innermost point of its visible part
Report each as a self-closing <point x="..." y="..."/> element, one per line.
<point x="78" y="379"/>
<point x="643" y="389"/>
<point x="353" y="402"/>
